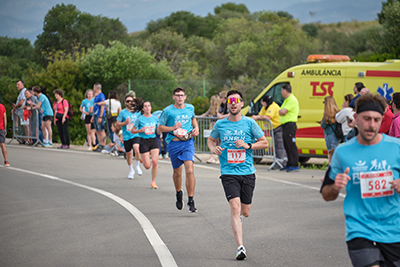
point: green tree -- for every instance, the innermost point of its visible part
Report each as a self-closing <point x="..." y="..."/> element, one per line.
<point x="240" y="8"/>
<point x="391" y="25"/>
<point x="65" y="28"/>
<point x="311" y="29"/>
<point x="381" y="16"/>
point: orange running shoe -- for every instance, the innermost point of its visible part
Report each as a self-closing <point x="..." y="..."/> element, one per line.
<point x="153" y="185"/>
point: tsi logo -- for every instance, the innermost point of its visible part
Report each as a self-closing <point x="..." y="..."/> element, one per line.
<point x="321" y="89"/>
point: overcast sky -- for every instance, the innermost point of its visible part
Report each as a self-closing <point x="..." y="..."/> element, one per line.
<point x="24" y="18"/>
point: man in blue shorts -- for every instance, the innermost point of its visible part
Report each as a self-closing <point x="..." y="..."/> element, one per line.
<point x="179" y="121"/>
<point x="239" y="136"/>
<point x="369" y="167"/>
<point x="126" y="119"/>
<point x="99" y="116"/>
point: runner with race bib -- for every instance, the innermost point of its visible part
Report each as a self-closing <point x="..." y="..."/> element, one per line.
<point x="369" y="167"/>
<point x="239" y="135"/>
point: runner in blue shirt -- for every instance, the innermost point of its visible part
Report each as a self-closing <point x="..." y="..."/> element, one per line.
<point x="126" y="119"/>
<point x="238" y="135"/>
<point x="86" y="108"/>
<point x="369" y="167"/>
<point x="146" y="125"/>
<point x="180" y="123"/>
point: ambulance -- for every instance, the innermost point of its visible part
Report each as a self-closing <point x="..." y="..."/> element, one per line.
<point x="326" y="75"/>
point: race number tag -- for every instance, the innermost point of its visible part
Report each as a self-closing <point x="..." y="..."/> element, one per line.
<point x="180" y="132"/>
<point x="149" y="130"/>
<point x="129" y="126"/>
<point x="376" y="184"/>
<point x="236" y="155"/>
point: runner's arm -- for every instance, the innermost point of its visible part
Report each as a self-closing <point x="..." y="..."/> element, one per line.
<point x="331" y="191"/>
<point x="211" y="143"/>
<point x="195" y="131"/>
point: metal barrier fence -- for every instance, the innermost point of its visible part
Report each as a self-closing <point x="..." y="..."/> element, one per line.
<point x="26" y="127"/>
<point x="207" y="123"/>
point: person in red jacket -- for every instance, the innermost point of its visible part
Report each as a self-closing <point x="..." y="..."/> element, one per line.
<point x="387" y="119"/>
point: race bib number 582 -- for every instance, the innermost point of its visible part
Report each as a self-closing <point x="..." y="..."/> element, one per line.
<point x="376" y="184"/>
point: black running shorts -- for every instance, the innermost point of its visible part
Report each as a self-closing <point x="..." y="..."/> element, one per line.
<point x="128" y="145"/>
<point x="241" y="186"/>
<point x="364" y="252"/>
<point x="147" y="144"/>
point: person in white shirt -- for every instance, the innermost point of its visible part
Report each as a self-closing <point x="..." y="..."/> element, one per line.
<point x="345" y="114"/>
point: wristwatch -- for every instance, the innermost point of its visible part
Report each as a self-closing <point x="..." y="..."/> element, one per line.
<point x="250" y="145"/>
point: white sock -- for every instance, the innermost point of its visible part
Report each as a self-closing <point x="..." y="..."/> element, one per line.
<point x="131" y="168"/>
<point x="137" y="162"/>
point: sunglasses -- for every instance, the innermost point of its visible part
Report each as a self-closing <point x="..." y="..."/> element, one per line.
<point x="234" y="100"/>
<point x="128" y="101"/>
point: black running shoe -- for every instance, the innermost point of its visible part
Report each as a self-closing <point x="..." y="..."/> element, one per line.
<point x="179" y="203"/>
<point x="191" y="207"/>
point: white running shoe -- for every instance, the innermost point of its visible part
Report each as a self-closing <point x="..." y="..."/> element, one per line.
<point x="138" y="170"/>
<point x="241" y="253"/>
<point x="131" y="174"/>
<point x="160" y="157"/>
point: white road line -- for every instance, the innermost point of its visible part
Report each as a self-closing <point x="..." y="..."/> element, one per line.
<point x="163" y="253"/>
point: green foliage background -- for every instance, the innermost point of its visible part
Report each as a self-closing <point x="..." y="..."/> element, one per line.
<point x="229" y="49"/>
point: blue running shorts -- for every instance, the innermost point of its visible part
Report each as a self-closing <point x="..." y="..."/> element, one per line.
<point x="180" y="151"/>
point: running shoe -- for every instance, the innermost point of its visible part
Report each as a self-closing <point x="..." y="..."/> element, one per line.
<point x="66" y="147"/>
<point x="160" y="156"/>
<point x="98" y="149"/>
<point x="131" y="174"/>
<point x="50" y="144"/>
<point x="153" y="185"/>
<point x="93" y="148"/>
<point x="138" y="170"/>
<point x="179" y="203"/>
<point x="293" y="169"/>
<point x="6" y="164"/>
<point x="61" y="147"/>
<point x="105" y="151"/>
<point x="166" y="156"/>
<point x="241" y="253"/>
<point x="191" y="207"/>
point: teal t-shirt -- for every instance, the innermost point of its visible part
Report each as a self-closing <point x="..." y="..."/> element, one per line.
<point x="149" y="123"/>
<point x="87" y="104"/>
<point x="126" y="129"/>
<point x="47" y="109"/>
<point x="372" y="217"/>
<point x="233" y="160"/>
<point x="172" y="115"/>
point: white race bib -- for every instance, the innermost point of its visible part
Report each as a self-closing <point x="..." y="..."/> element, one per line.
<point x="129" y="126"/>
<point x="236" y="155"/>
<point x="180" y="132"/>
<point x="149" y="130"/>
<point x="376" y="184"/>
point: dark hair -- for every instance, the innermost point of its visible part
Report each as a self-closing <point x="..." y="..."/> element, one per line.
<point x="59" y="92"/>
<point x="348" y="97"/>
<point x="287" y="87"/>
<point x="138" y="105"/>
<point x="371" y="98"/>
<point x="359" y="86"/>
<point x="37" y="89"/>
<point x="232" y="92"/>
<point x="113" y="95"/>
<point x="128" y="95"/>
<point x="21" y="82"/>
<point x="179" y="89"/>
<point x="29" y="89"/>
<point x="396" y="100"/>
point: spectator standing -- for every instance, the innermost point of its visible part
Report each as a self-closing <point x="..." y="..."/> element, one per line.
<point x="32" y="106"/>
<point x="61" y="118"/>
<point x="126" y="119"/>
<point x="179" y="121"/>
<point x="40" y="106"/>
<point x="328" y="123"/>
<point x="99" y="116"/>
<point x="357" y="90"/>
<point x="223" y="111"/>
<point x="113" y="109"/>
<point x="345" y="115"/>
<point x="387" y="119"/>
<point x="17" y="111"/>
<point x="147" y="126"/>
<point x="270" y="111"/>
<point x="238" y="135"/>
<point x="87" y="109"/>
<point x="162" y="153"/>
<point x="3" y="133"/>
<point x="289" y="113"/>
<point x="212" y="112"/>
<point x="395" y="127"/>
<point x="47" y="116"/>
<point x="368" y="166"/>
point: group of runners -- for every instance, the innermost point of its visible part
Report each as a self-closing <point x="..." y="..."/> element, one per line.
<point x="368" y="166"/>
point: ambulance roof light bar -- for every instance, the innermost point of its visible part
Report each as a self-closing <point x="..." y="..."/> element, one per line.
<point x="327" y="58"/>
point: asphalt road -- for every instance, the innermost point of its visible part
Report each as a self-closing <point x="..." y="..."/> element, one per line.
<point x="77" y="208"/>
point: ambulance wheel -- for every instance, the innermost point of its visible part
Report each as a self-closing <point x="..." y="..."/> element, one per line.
<point x="257" y="160"/>
<point x="303" y="160"/>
